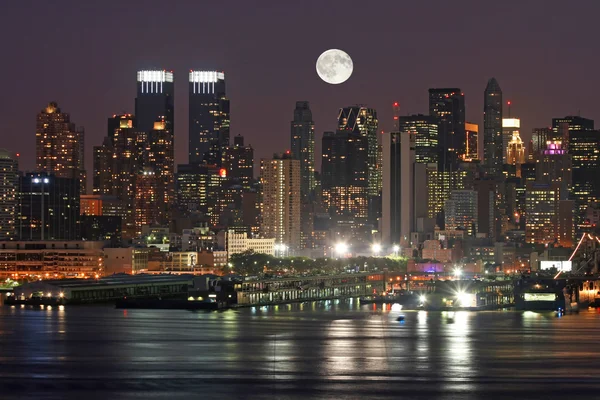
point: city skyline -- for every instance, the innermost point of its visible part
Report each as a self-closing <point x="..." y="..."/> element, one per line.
<point x="109" y="89"/>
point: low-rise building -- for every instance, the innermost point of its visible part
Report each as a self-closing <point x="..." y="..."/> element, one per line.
<point x="235" y="243"/>
<point x="51" y="259"/>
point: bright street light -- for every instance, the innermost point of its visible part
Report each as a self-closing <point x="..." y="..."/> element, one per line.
<point x="376" y="248"/>
<point x="396" y="248"/>
<point x="341" y="249"/>
<point x="457" y="273"/>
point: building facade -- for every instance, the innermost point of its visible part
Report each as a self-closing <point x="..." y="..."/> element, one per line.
<point x="155" y="99"/>
<point x="209" y="117"/>
<point x="447" y="106"/>
<point x="9" y="192"/>
<point x="303" y="147"/>
<point x="280" y="180"/>
<point x="59" y="145"/>
<point x="492" y="128"/>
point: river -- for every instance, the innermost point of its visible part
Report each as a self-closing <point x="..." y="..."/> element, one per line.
<point x="319" y="350"/>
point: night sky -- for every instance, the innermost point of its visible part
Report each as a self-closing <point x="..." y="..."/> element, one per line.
<point x="84" y="55"/>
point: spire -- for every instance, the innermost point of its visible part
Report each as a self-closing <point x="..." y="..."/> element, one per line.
<point x="493" y="86"/>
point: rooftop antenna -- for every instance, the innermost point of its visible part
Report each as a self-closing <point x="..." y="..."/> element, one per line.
<point x="508" y="108"/>
<point x="396" y="107"/>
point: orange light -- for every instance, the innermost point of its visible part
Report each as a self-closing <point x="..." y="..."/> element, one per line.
<point x="223" y="173"/>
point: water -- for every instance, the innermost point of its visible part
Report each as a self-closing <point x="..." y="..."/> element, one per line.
<point x="318" y="350"/>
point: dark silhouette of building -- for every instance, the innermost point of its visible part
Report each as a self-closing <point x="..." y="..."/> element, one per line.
<point x="493" y="150"/>
<point x="101" y="228"/>
<point x="303" y="147"/>
<point x="48" y="207"/>
<point x="208" y="117"/>
<point x="9" y="192"/>
<point x="238" y="161"/>
<point x="448" y="107"/>
<point x="155" y="98"/>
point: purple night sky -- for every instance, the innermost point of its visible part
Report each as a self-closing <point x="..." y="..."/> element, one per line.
<point x="84" y="55"/>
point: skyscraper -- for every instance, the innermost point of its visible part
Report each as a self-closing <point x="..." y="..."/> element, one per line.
<point x="9" y="188"/>
<point x="554" y="165"/>
<point x="461" y="211"/>
<point x="344" y="179"/>
<point x="161" y="160"/>
<point x="404" y="196"/>
<point x="471" y="141"/>
<point x="48" y="207"/>
<point x="117" y="164"/>
<point x="362" y="121"/>
<point x="208" y="117"/>
<point x="59" y="145"/>
<point x="584" y="148"/>
<point x="155" y="98"/>
<point x="448" y="107"/>
<point x="562" y="126"/>
<point x="492" y="128"/>
<point x="509" y="127"/>
<point x="146" y="198"/>
<point x="548" y="214"/>
<point x="198" y="188"/>
<point x="515" y="152"/>
<point x="303" y="147"/>
<point x="424" y="128"/>
<point x="280" y="179"/>
<point x="238" y="161"/>
<point x="539" y="138"/>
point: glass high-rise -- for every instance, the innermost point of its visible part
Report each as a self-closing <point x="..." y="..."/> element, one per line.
<point x="155" y="99"/>
<point x="448" y="107"/>
<point x="363" y="122"/>
<point x="303" y="147"/>
<point x="208" y="117"/>
<point x="424" y="128"/>
<point x="493" y="150"/>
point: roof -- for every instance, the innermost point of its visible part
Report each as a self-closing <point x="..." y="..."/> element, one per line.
<point x="117" y="279"/>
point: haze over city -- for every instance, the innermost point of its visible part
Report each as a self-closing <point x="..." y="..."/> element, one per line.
<point x="85" y="55"/>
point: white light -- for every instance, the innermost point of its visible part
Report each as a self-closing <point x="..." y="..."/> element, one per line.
<point x="206" y="76"/>
<point x="465" y="299"/>
<point x="396" y="248"/>
<point x="61" y="295"/>
<point x="46" y="180"/>
<point x="422" y="298"/>
<point x="341" y="248"/>
<point x="49" y="294"/>
<point x="457" y="272"/>
<point x="376" y="248"/>
<point x="36" y="180"/>
<point x="155" y="76"/>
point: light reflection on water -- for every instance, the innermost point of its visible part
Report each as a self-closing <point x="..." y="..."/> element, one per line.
<point x="307" y="348"/>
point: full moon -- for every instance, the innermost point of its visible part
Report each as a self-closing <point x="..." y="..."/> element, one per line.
<point x="334" y="66"/>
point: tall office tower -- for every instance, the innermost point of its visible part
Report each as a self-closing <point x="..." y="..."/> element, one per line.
<point x="530" y="152"/>
<point x="440" y="184"/>
<point x="510" y="126"/>
<point x="584" y="147"/>
<point x="424" y="128"/>
<point x="58" y="145"/>
<point x="117" y="164"/>
<point x="515" y="152"/>
<point x="198" y="188"/>
<point x="48" y="207"/>
<point x="471" y="142"/>
<point x="280" y="179"/>
<point x="361" y="121"/>
<point x="554" y="165"/>
<point x="461" y="211"/>
<point x="562" y="126"/>
<point x="161" y="159"/>
<point x="208" y="117"/>
<point x="492" y="128"/>
<point x="448" y="107"/>
<point x="146" y="198"/>
<point x="9" y="189"/>
<point x="549" y="216"/>
<point x="344" y="181"/>
<point x="238" y="161"/>
<point x="486" y="193"/>
<point x="539" y="137"/>
<point x="303" y="147"/>
<point x="102" y="178"/>
<point x="155" y="98"/>
<point x="404" y="196"/>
